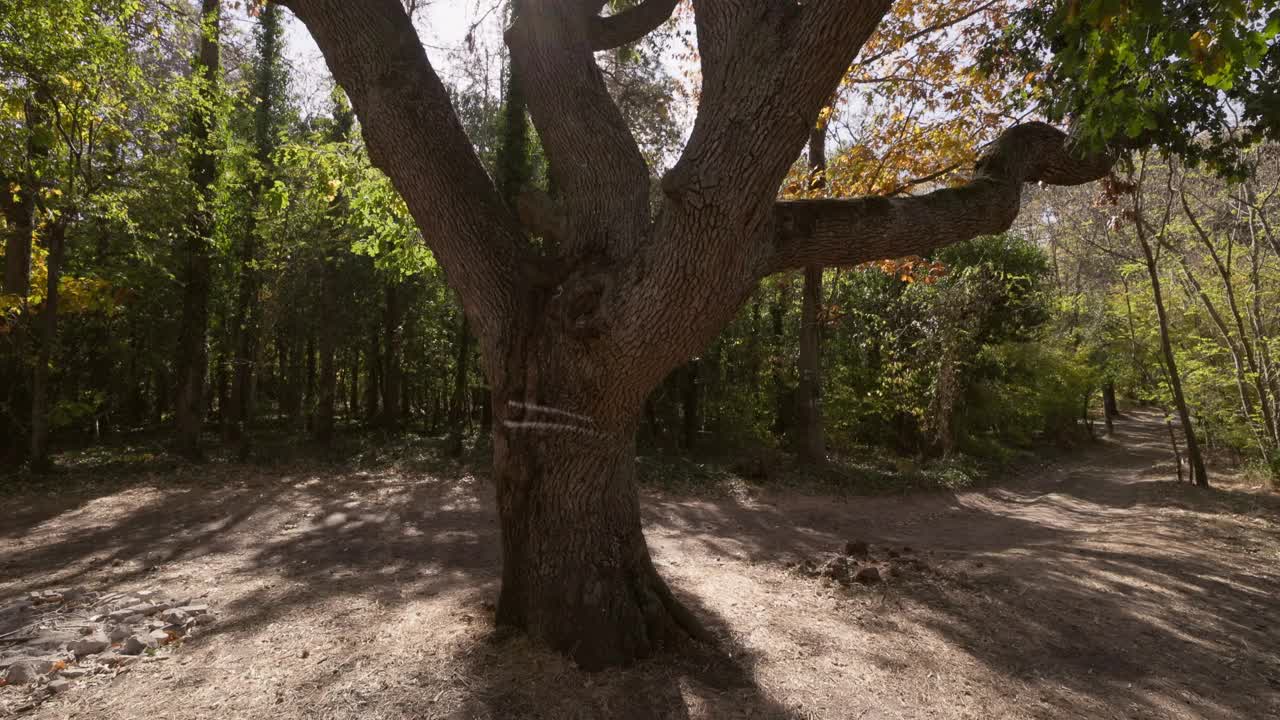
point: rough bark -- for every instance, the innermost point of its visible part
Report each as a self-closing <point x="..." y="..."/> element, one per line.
<point x="192" y="339"/>
<point x="573" y="342"/>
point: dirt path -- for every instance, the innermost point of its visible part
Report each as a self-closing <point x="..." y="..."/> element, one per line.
<point x="1096" y="589"/>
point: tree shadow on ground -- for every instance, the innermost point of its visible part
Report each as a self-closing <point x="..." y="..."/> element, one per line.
<point x="1097" y="592"/>
<point x="1093" y="594"/>
<point x="327" y="550"/>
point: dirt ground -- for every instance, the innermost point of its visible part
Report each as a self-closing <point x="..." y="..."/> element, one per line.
<point x="1095" y="588"/>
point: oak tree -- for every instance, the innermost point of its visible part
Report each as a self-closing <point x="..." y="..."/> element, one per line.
<point x="573" y="340"/>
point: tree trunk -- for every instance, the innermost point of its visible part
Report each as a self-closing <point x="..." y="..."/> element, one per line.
<point x="44" y="359"/>
<point x="353" y="389"/>
<point x="456" y="418"/>
<point x="322" y="429"/>
<point x="1198" y="474"/>
<point x="392" y="375"/>
<point x="193" y="355"/>
<point x="689" y="416"/>
<point x="373" y="379"/>
<point x="309" y="388"/>
<point x="1110" y="408"/>
<point x="811" y="446"/>
<point x="576" y="570"/>
<point x="782" y="395"/>
<point x="20" y="207"/>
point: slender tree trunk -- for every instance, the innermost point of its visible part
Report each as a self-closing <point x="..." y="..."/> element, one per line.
<point x="1110" y="408"/>
<point x="393" y="375"/>
<point x="353" y="394"/>
<point x="811" y="445"/>
<point x="327" y="387"/>
<point x="812" y="441"/>
<point x="309" y="388"/>
<point x="781" y="395"/>
<point x="689" y="401"/>
<point x="1199" y="475"/>
<point x="44" y="359"/>
<point x="20" y="207"/>
<point x="457" y="420"/>
<point x="1237" y="350"/>
<point x="1173" y="440"/>
<point x="267" y="89"/>
<point x="193" y="357"/>
<point x="373" y="383"/>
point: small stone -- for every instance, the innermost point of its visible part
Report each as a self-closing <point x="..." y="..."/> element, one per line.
<point x="119" y="632"/>
<point x="160" y="637"/>
<point x="116" y="659"/>
<point x="74" y="673"/>
<point x="194" y="609"/>
<point x="127" y="613"/>
<point x="335" y="519"/>
<point x="135" y="644"/>
<point x="95" y="643"/>
<point x="868" y="575"/>
<point x="835" y="567"/>
<point x="59" y="685"/>
<point x="304" y="654"/>
<point x="53" y="639"/>
<point x="856" y="548"/>
<point x="176" y="616"/>
<point x="21" y="673"/>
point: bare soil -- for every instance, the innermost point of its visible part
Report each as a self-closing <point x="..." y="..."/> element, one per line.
<point x="1094" y="588"/>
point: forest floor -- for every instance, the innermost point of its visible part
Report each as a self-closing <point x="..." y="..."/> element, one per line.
<point x="1096" y="587"/>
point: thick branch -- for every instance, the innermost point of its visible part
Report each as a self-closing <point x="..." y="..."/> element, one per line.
<point x="415" y="137"/>
<point x="595" y="164"/>
<point x="768" y="68"/>
<point x="630" y="25"/>
<point x="852" y="231"/>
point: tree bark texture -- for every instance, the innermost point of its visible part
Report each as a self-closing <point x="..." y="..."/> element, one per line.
<point x="574" y="334"/>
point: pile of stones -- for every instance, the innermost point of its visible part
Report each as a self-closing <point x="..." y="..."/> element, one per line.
<point x="51" y="638"/>
<point x="861" y="564"/>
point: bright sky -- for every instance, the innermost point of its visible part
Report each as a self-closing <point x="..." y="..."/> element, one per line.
<point x="443" y="26"/>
